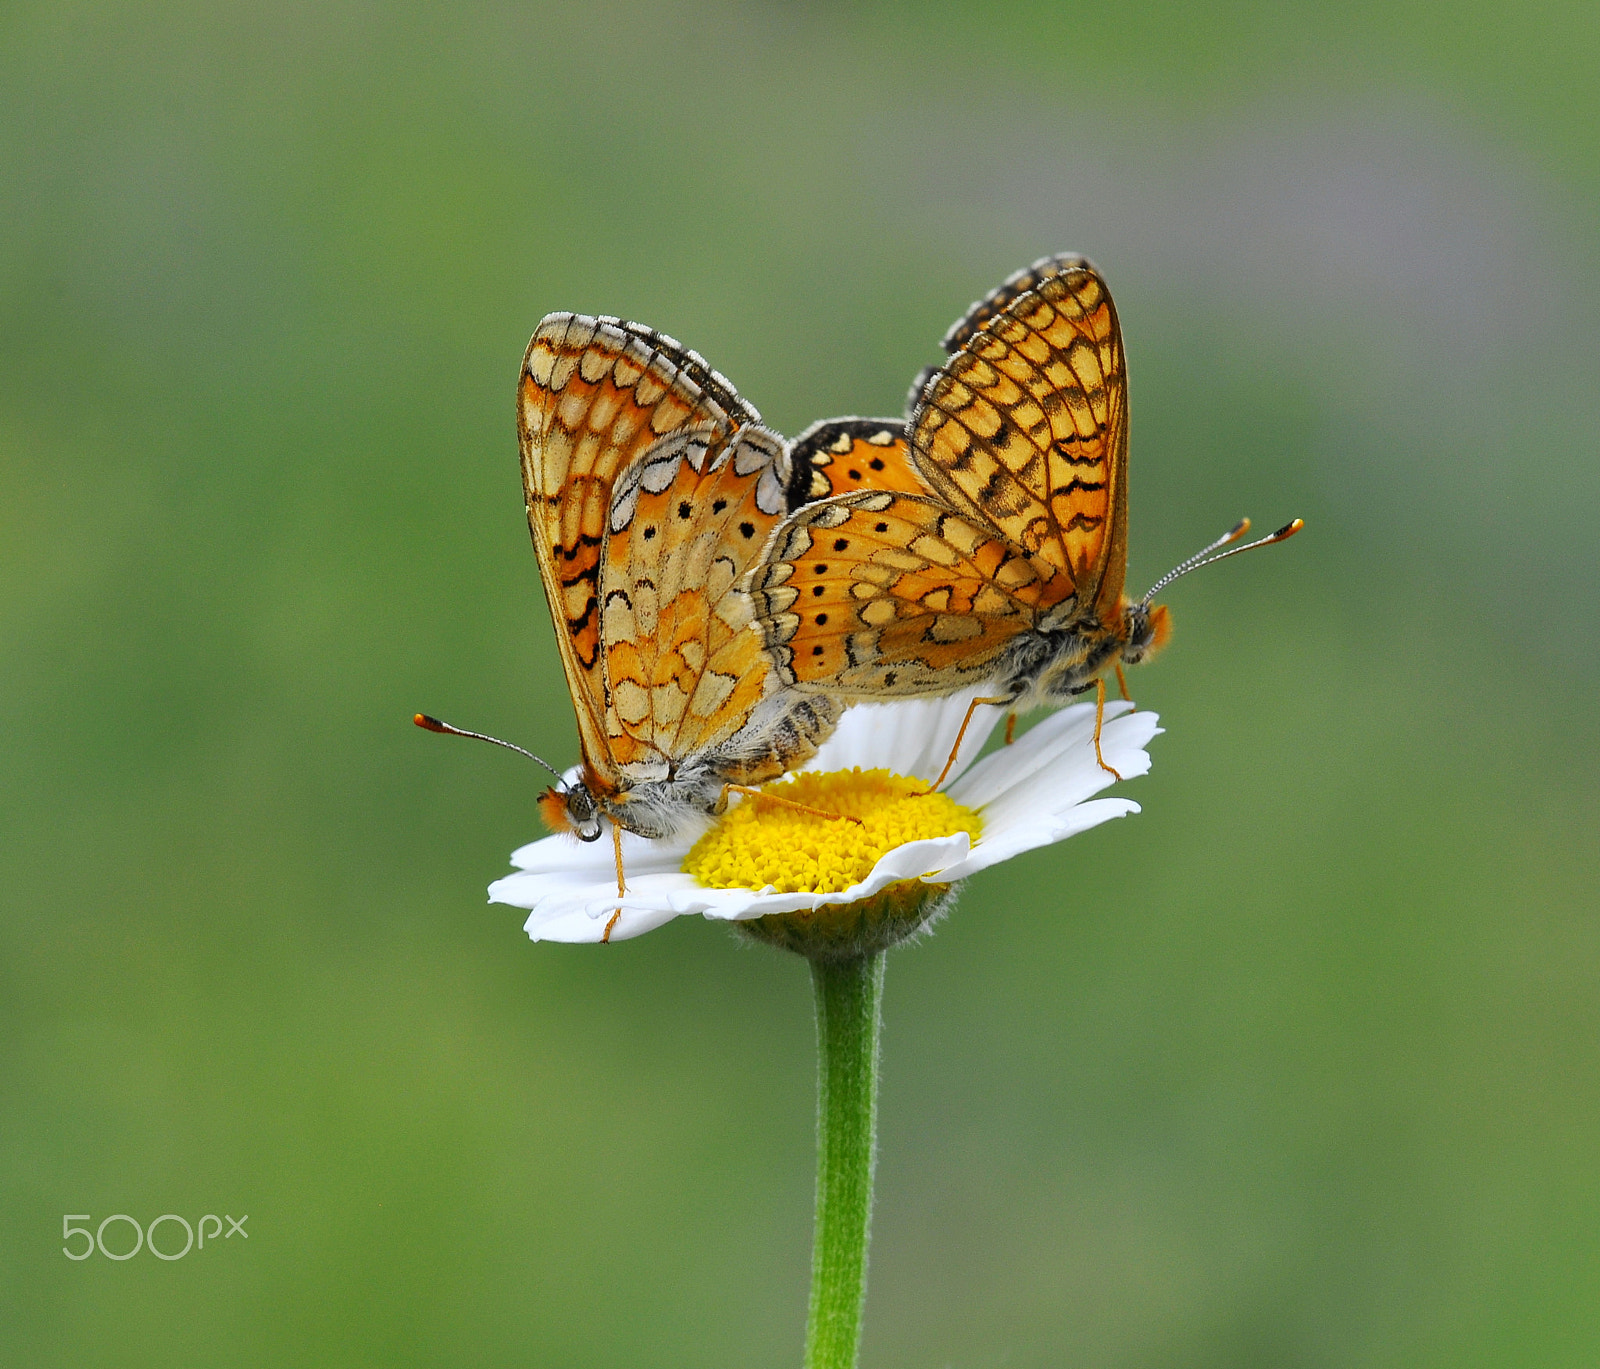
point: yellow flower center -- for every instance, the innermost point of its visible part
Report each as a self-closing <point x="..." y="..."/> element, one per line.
<point x="759" y="843"/>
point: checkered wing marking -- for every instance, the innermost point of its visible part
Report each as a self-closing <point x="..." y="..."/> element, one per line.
<point x="981" y="312"/>
<point x="879" y="595"/>
<point x="1025" y="428"/>
<point x="839" y="455"/>
<point x="984" y="311"/>
<point x="687" y="521"/>
<point x="594" y="395"/>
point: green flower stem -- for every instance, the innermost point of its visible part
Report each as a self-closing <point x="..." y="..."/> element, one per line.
<point x="849" y="1015"/>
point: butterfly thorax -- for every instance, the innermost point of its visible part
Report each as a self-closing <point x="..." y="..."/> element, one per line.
<point x="784" y="731"/>
<point x="662" y="798"/>
<point x="1049" y="665"/>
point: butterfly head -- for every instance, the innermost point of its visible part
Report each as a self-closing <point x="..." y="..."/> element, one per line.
<point x="571" y="808"/>
<point x="1145" y="630"/>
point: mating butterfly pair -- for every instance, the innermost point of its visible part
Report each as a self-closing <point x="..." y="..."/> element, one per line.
<point x="720" y="594"/>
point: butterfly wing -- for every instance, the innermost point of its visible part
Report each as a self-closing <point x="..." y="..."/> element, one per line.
<point x="687" y="521"/>
<point x="882" y="595"/>
<point x="1026" y="426"/>
<point x="1020" y="443"/>
<point x="838" y="455"/>
<point x="594" y="396"/>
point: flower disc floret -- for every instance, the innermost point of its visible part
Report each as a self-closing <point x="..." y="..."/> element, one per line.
<point x="773" y="845"/>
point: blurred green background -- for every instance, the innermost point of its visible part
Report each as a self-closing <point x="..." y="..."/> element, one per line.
<point x="1301" y="1067"/>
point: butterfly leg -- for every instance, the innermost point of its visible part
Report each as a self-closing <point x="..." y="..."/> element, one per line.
<point x="622" y="888"/>
<point x="1099" y="721"/>
<point x="1122" y="683"/>
<point x="788" y="803"/>
<point x="1011" y="728"/>
<point x="956" y="749"/>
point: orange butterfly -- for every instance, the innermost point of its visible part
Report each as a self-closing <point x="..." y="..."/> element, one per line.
<point x="1007" y="565"/>
<point x="651" y="488"/>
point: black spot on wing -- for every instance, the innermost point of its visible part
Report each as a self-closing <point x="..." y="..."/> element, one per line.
<point x="816" y="447"/>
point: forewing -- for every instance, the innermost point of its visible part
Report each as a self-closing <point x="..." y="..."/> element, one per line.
<point x="877" y="595"/>
<point x="594" y="395"/>
<point x="682" y="671"/>
<point x="982" y="313"/>
<point x="1026" y="426"/>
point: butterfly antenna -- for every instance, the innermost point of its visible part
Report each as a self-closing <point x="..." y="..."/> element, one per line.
<point x="1204" y="556"/>
<point x="422" y="720"/>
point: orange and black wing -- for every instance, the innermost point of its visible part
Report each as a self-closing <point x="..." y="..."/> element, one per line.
<point x="688" y="520"/>
<point x="841" y="455"/>
<point x="594" y="396"/>
<point x="880" y="595"/>
<point x="1026" y="426"/>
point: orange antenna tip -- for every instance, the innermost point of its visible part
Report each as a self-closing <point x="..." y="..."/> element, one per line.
<point x="434" y="725"/>
<point x="1210" y="555"/>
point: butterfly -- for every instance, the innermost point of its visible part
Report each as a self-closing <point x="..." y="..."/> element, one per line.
<point x="651" y="487"/>
<point x="1007" y="566"/>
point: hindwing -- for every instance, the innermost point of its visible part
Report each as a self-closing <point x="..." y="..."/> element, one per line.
<point x="839" y="455"/>
<point x="878" y="594"/>
<point x="686" y="522"/>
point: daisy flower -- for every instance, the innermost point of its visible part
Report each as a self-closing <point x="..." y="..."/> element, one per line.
<point x="784" y="873"/>
<point x="801" y="874"/>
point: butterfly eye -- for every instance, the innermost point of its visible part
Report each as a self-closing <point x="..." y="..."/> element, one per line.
<point x="583" y="813"/>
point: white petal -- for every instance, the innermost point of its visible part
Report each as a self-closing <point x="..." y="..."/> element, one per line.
<point x="580" y="927"/>
<point x="1039" y="797"/>
<point x="563" y="853"/>
<point x="910" y="737"/>
<point x="1041" y="828"/>
<point x="561" y="906"/>
<point x="925" y="859"/>
<point x="1062" y="744"/>
<point x="1069" y="774"/>
<point x="571" y="907"/>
